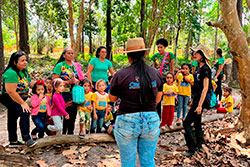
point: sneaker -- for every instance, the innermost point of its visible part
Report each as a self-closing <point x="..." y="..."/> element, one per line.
<point x="81" y="136"/>
<point x="170" y="127"/>
<point x="16" y="144"/>
<point x="31" y="143"/>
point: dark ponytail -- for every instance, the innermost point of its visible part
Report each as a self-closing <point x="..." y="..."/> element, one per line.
<point x="146" y="90"/>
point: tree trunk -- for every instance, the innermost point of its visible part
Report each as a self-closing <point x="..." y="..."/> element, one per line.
<point x="23" y="28"/>
<point x="16" y="32"/>
<point x="188" y="44"/>
<point x="90" y="45"/>
<point x="81" y="22"/>
<point x="108" y="31"/>
<point x="216" y="32"/>
<point x="83" y="45"/>
<point x="178" y="30"/>
<point x="230" y="25"/>
<point x="143" y="31"/>
<point x="1" y="46"/>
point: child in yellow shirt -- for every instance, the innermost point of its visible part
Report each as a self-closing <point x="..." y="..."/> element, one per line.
<point x="85" y="109"/>
<point x="185" y="80"/>
<point x="169" y="92"/>
<point x="227" y="103"/>
<point x="100" y="105"/>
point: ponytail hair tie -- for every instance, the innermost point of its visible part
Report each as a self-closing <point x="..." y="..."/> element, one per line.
<point x="55" y="81"/>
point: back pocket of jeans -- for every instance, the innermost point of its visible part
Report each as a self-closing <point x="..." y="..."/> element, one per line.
<point x="125" y="128"/>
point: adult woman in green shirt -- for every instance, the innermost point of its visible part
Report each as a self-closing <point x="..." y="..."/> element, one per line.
<point x="66" y="70"/>
<point x="98" y="67"/>
<point x="219" y="72"/>
<point x="16" y="81"/>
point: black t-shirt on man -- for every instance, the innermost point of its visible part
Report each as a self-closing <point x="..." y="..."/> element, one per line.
<point x="125" y="84"/>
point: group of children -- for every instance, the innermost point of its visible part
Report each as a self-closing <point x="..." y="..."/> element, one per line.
<point x="177" y="91"/>
<point x="48" y="108"/>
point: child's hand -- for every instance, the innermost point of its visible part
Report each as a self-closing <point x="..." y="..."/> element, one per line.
<point x="95" y="116"/>
<point x="41" y="95"/>
<point x="67" y="117"/>
<point x="69" y="103"/>
<point x="106" y="117"/>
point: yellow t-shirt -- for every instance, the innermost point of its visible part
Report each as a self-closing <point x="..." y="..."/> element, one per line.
<point x="227" y="100"/>
<point x="169" y="99"/>
<point x="100" y="100"/>
<point x="184" y="87"/>
<point x="88" y="101"/>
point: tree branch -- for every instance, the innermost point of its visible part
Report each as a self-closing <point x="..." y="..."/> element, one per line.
<point x="248" y="4"/>
<point x="216" y="24"/>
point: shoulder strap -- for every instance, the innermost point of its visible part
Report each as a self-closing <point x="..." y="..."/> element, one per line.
<point x="163" y="62"/>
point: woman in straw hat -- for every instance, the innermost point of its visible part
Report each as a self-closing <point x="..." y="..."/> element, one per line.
<point x="202" y="86"/>
<point x="139" y="87"/>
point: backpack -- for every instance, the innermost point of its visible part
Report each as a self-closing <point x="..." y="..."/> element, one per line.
<point x="78" y="94"/>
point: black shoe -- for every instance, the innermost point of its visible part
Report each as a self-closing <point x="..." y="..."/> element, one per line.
<point x="199" y="139"/>
<point x="16" y="144"/>
<point x="31" y="143"/>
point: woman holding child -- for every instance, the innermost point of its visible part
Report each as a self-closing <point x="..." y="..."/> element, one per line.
<point x="139" y="87"/>
<point x="202" y="86"/>
<point x="68" y="71"/>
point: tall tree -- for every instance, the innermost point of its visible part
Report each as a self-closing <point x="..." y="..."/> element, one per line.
<point x="81" y="22"/>
<point x="178" y="30"/>
<point x="23" y="28"/>
<point x="143" y="5"/>
<point x="229" y="23"/>
<point x="1" y="46"/>
<point x="108" y="31"/>
<point x="216" y="31"/>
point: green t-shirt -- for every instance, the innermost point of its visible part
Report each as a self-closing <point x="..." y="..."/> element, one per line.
<point x="10" y="76"/>
<point x="100" y="69"/>
<point x="157" y="58"/>
<point x="220" y="61"/>
<point x="194" y="63"/>
<point x="65" y="71"/>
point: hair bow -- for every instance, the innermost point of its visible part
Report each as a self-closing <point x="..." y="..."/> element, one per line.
<point x="40" y="82"/>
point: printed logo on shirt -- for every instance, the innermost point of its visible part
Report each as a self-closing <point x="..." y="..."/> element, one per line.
<point x="102" y="103"/>
<point x="184" y="84"/>
<point x="43" y="107"/>
<point x="170" y="94"/>
<point x="136" y="85"/>
<point x="23" y="85"/>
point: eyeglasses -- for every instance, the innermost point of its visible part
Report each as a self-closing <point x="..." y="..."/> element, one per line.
<point x="20" y="53"/>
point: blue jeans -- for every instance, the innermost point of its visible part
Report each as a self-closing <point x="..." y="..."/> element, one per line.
<point x="137" y="132"/>
<point x="182" y="105"/>
<point x="40" y="122"/>
<point x="99" y="122"/>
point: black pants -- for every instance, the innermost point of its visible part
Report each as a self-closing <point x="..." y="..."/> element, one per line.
<point x="69" y="125"/>
<point x="14" y="112"/>
<point x="218" y="90"/>
<point x="193" y="117"/>
<point x="40" y="122"/>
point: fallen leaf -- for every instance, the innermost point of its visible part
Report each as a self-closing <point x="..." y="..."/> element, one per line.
<point x="67" y="152"/>
<point x="84" y="149"/>
<point x="99" y="164"/>
<point x="104" y="145"/>
<point x="42" y="163"/>
<point x="187" y="161"/>
<point x="75" y="161"/>
<point x="206" y="150"/>
<point x="71" y="156"/>
<point x="83" y="156"/>
<point x="167" y="148"/>
<point x="59" y="151"/>
<point x="73" y="147"/>
<point x="184" y="148"/>
<point x="109" y="150"/>
<point x="67" y="165"/>
<point x="12" y="150"/>
<point x="91" y="144"/>
<point x="111" y="162"/>
<point x="117" y="151"/>
<point x="52" y="163"/>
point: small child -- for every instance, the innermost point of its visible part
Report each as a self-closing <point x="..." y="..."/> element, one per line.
<point x="85" y="108"/>
<point x="58" y="107"/>
<point x="227" y="103"/>
<point x="185" y="81"/>
<point x="169" y="92"/>
<point x="49" y="86"/>
<point x="40" y="108"/>
<point x="100" y="104"/>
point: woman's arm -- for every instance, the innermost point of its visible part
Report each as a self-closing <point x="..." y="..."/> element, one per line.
<point x="112" y="98"/>
<point x="203" y="95"/>
<point x="158" y="97"/>
<point x="11" y="90"/>
<point x="219" y="70"/>
<point x="90" y="69"/>
<point x="111" y="70"/>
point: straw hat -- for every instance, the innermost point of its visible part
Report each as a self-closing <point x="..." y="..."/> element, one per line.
<point x="135" y="45"/>
<point x="205" y="50"/>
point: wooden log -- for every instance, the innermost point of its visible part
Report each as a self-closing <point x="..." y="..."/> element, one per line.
<point x="67" y="139"/>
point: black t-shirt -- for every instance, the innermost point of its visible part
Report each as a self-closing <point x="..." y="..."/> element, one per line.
<point x="125" y="84"/>
<point x="199" y="75"/>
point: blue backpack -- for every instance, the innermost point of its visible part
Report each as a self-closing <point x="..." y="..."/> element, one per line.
<point x="78" y="94"/>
